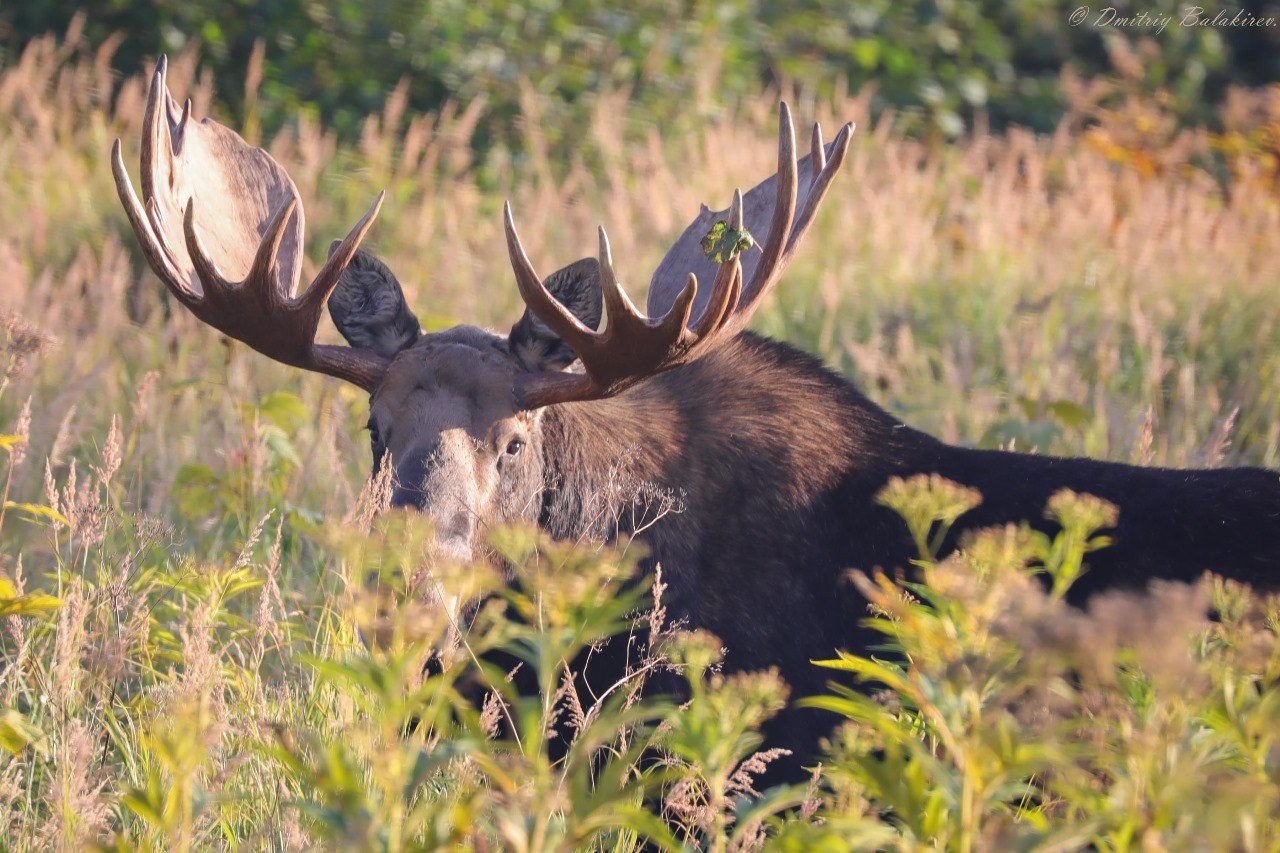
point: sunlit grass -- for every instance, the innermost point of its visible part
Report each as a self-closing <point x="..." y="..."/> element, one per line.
<point x="196" y="509"/>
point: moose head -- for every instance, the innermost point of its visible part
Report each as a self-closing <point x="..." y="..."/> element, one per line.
<point x="458" y="414"/>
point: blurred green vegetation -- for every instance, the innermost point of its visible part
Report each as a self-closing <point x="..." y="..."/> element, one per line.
<point x="942" y="62"/>
<point x="185" y="544"/>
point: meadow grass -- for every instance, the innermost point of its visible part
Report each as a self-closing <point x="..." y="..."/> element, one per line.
<point x="187" y="527"/>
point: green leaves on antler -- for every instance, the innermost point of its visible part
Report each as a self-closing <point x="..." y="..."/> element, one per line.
<point x="723" y="243"/>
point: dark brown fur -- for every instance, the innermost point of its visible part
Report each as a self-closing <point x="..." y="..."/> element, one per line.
<point x="778" y="461"/>
<point x="761" y="467"/>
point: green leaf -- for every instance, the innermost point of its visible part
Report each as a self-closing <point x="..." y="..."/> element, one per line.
<point x="28" y="605"/>
<point x="1070" y="415"/>
<point x="17" y="732"/>
<point x="869" y="670"/>
<point x="146" y="803"/>
<point x="195" y="488"/>
<point x="866" y="52"/>
<point x="723" y="244"/>
<point x="36" y="512"/>
<point x="285" y="410"/>
<point x="748" y="812"/>
<point x="280" y="446"/>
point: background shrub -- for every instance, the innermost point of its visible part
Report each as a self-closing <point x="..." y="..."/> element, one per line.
<point x="941" y="63"/>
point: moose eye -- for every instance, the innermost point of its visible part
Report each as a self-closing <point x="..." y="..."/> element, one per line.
<point x="515" y="446"/>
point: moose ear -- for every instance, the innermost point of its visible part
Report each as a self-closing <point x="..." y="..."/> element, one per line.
<point x="369" y="308"/>
<point x="576" y="287"/>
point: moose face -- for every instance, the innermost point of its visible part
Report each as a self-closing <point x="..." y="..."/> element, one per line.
<point x="460" y="450"/>
<point x="444" y="417"/>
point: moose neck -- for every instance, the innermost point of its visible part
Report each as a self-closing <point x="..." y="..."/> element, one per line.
<point x="609" y="459"/>
<point x="759" y="440"/>
<point x="755" y="417"/>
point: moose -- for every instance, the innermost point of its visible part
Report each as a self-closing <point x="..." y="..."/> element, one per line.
<point x="776" y="460"/>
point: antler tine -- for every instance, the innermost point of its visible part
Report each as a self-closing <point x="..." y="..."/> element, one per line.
<point x="727" y="289"/>
<point x="724" y="299"/>
<point x="264" y="262"/>
<point x="154" y="126"/>
<point x="735" y="210"/>
<point x="262" y="277"/>
<point x="783" y="211"/>
<point x="620" y="310"/>
<point x="778" y="253"/>
<point x="152" y="249"/>
<point x="331" y="273"/>
<point x="540" y="301"/>
<point x="818" y="190"/>
<point x="182" y="121"/>
<point x="206" y="269"/>
<point x="677" y="317"/>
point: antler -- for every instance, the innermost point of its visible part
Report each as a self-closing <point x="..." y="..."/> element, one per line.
<point x="633" y="347"/>
<point x="250" y="227"/>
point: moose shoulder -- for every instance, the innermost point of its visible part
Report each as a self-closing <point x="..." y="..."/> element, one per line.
<point x="749" y="468"/>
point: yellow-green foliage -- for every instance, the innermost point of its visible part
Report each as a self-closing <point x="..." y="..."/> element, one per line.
<point x="211" y="638"/>
<point x="1006" y="719"/>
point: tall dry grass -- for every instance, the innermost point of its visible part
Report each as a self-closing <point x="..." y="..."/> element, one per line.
<point x="171" y="487"/>
<point x="950" y="283"/>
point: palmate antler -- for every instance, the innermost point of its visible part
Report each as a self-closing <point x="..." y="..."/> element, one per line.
<point x="221" y="224"/>
<point x="633" y="347"/>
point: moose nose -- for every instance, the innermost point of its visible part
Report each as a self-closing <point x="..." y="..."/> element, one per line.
<point x="403" y="498"/>
<point x="411" y="480"/>
<point x="459" y="526"/>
